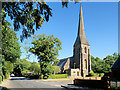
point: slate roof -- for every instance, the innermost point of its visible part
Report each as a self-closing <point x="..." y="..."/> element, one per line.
<point x="62" y="62"/>
<point x="116" y="65"/>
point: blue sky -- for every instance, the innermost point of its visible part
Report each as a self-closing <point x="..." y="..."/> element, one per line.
<point x="101" y="27"/>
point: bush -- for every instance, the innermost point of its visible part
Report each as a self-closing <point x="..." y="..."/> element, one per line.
<point x="57" y="76"/>
<point x="3" y="77"/>
<point x="34" y="77"/>
<point x="7" y="76"/>
<point x="0" y="79"/>
<point x="92" y="74"/>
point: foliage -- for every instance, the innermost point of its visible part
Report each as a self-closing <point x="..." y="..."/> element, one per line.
<point x="34" y="77"/>
<point x="56" y="69"/>
<point x="57" y="76"/>
<point x="10" y="46"/>
<point x="0" y="79"/>
<point x="8" y="67"/>
<point x="17" y="71"/>
<point x="21" y="66"/>
<point x="92" y="74"/>
<point x="27" y="15"/>
<point x="35" y="67"/>
<point x="46" y="48"/>
<point x="101" y="66"/>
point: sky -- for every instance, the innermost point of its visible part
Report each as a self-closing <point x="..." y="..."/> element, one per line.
<point x="100" y="22"/>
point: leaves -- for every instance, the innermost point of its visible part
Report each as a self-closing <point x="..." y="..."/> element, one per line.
<point x="100" y="66"/>
<point x="10" y="46"/>
<point x="25" y="15"/>
<point x="46" y="48"/>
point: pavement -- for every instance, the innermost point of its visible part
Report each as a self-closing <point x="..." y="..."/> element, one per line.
<point x="14" y="83"/>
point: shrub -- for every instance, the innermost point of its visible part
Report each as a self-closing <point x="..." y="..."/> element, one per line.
<point x="7" y="76"/>
<point x="0" y="79"/>
<point x="3" y="77"/>
<point x="57" y="76"/>
<point x="92" y="74"/>
<point x="34" y="77"/>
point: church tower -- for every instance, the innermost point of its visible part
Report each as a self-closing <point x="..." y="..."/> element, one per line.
<point x="81" y="53"/>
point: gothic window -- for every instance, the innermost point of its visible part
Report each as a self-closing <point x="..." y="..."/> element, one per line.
<point x="85" y="50"/>
<point x="88" y="51"/>
<point x="85" y="64"/>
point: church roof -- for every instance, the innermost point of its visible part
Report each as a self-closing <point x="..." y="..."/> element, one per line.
<point x="81" y="38"/>
<point x="116" y="65"/>
<point x="62" y="62"/>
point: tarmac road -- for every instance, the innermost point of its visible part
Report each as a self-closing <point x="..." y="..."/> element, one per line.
<point x="20" y="83"/>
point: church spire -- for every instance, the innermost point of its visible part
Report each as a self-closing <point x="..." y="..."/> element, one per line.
<point x="81" y="38"/>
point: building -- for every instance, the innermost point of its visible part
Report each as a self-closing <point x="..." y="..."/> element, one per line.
<point x="80" y="63"/>
<point x="116" y="68"/>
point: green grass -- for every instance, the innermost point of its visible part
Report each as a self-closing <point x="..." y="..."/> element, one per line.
<point x="57" y="76"/>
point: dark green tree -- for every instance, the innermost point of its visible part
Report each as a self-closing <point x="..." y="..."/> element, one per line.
<point x="10" y="47"/>
<point x="26" y="15"/>
<point x="103" y="66"/>
<point x="46" y="48"/>
<point x="17" y="71"/>
<point x="35" y="67"/>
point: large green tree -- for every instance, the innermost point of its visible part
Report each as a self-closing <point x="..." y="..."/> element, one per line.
<point x="101" y="66"/>
<point x="35" y="67"/>
<point x="27" y="15"/>
<point x="23" y="65"/>
<point x="10" y="46"/>
<point x="46" y="48"/>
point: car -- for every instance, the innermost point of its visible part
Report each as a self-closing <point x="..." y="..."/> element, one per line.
<point x="12" y="75"/>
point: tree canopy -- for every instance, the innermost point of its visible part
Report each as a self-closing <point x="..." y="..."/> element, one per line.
<point x="26" y="15"/>
<point x="101" y="66"/>
<point x="46" y="48"/>
<point x="29" y="15"/>
<point x="10" y="45"/>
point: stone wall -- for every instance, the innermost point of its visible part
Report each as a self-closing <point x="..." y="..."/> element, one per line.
<point x="101" y="84"/>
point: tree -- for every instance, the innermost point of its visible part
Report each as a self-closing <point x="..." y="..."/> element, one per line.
<point x="10" y="45"/>
<point x="46" y="48"/>
<point x="56" y="69"/>
<point x="35" y="67"/>
<point x="96" y="64"/>
<point x="17" y="71"/>
<point x="23" y="65"/>
<point x="27" y="15"/>
<point x="109" y="61"/>
<point x="103" y="66"/>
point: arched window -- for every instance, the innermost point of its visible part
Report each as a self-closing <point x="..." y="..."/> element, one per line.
<point x="85" y="50"/>
<point x="85" y="63"/>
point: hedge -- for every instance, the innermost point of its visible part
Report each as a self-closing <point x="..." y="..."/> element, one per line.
<point x="57" y="76"/>
<point x="92" y="74"/>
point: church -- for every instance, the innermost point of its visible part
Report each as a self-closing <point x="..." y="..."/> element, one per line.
<point x="80" y="63"/>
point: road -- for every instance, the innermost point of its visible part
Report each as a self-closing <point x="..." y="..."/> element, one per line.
<point x="22" y="82"/>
